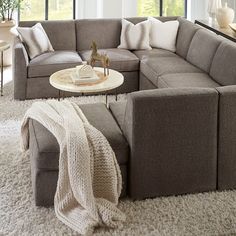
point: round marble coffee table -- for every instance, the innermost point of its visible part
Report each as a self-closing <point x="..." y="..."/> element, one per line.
<point x="3" y="47"/>
<point x="62" y="81"/>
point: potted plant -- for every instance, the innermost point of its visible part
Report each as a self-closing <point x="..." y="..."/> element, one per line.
<point x="7" y="8"/>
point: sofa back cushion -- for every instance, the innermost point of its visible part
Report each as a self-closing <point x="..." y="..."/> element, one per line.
<point x="203" y="48"/>
<point x="105" y="32"/>
<point x="60" y="33"/>
<point x="185" y="35"/>
<point x="136" y="20"/>
<point x="223" y="69"/>
<point x="35" y="39"/>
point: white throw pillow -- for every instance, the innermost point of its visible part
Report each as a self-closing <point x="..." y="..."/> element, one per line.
<point x="163" y="34"/>
<point x="36" y="40"/>
<point x="135" y="37"/>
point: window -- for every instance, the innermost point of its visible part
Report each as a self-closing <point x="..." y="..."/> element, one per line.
<point x="32" y="10"/>
<point x="60" y="9"/>
<point x="162" y="7"/>
<point x="47" y="10"/>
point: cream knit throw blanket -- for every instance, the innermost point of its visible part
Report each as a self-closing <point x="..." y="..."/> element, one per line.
<point x="89" y="182"/>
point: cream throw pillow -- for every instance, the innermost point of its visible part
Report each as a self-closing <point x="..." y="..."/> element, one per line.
<point x="36" y="40"/>
<point x="163" y="34"/>
<point x="135" y="37"/>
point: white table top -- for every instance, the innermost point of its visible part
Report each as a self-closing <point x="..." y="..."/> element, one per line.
<point x="4" y="45"/>
<point x="62" y="81"/>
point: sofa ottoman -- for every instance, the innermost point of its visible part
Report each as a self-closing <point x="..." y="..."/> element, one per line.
<point x="44" y="152"/>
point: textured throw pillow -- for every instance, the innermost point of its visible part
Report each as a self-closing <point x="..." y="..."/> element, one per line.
<point x="163" y="34"/>
<point x="135" y="37"/>
<point x="35" y="39"/>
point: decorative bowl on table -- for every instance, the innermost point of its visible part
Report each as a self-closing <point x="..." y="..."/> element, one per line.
<point x="84" y="74"/>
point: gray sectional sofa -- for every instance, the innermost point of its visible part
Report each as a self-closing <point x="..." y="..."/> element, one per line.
<point x="176" y="135"/>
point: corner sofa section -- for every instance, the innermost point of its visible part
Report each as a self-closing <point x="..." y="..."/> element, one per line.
<point x="71" y="41"/>
<point x="191" y="65"/>
<point x="165" y="142"/>
<point x="194" y="64"/>
<point x="176" y="137"/>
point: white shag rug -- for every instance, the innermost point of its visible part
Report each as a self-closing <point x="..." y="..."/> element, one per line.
<point x="198" y="214"/>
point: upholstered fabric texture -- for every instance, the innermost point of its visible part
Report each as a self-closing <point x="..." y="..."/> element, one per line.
<point x="190" y="146"/>
<point x="61" y="33"/>
<point x="118" y="111"/>
<point x="47" y="144"/>
<point x="120" y="59"/>
<point x="211" y="213"/>
<point x="135" y="37"/>
<point x="185" y="35"/>
<point x="179" y="80"/>
<point x="43" y="146"/>
<point x="145" y="83"/>
<point x="105" y="32"/>
<point x="155" y="67"/>
<point x="41" y="88"/>
<point x="223" y="68"/>
<point x="227" y="137"/>
<point x="49" y="63"/>
<point x="197" y="51"/>
<point x="155" y="52"/>
<point x="35" y="39"/>
<point x="20" y="62"/>
<point x="84" y="199"/>
<point x="203" y="48"/>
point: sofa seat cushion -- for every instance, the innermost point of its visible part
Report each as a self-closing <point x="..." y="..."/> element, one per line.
<point x="152" y="68"/>
<point x="46" y="149"/>
<point x="155" y="52"/>
<point x="118" y="111"/>
<point x="120" y="59"/>
<point x="186" y="80"/>
<point x="48" y="63"/>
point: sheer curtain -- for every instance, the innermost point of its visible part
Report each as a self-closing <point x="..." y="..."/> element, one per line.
<point x="86" y="9"/>
<point x="197" y="9"/>
<point x="105" y="8"/>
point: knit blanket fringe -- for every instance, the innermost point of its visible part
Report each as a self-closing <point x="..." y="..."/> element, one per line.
<point x="89" y="180"/>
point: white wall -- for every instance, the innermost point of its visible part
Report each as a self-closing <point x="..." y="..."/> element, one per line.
<point x="99" y="8"/>
<point x="130" y="8"/>
<point x="197" y="9"/>
<point x="112" y="8"/>
<point x="86" y="9"/>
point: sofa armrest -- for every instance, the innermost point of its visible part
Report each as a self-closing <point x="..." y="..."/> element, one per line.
<point x="172" y="135"/>
<point x="20" y="63"/>
<point x="227" y="138"/>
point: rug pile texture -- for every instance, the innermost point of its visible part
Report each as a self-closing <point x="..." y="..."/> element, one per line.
<point x="199" y="214"/>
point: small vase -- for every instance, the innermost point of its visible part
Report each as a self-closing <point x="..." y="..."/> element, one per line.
<point x="225" y="16"/>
